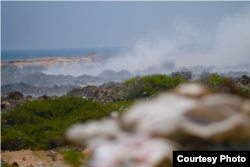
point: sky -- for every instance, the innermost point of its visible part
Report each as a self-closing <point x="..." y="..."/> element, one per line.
<point x="58" y="25"/>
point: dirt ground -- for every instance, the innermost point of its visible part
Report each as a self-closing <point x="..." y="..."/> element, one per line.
<point x="35" y="158"/>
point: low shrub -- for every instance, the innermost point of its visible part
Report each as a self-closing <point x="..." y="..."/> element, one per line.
<point x="150" y="85"/>
<point x="222" y="84"/>
<point x="72" y="157"/>
<point x="39" y="123"/>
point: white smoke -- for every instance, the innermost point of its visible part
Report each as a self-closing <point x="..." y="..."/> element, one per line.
<point x="187" y="45"/>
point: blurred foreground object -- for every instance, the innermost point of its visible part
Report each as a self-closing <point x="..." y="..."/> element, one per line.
<point x="187" y="118"/>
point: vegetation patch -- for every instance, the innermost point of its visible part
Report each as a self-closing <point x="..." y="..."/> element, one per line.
<point x="223" y="84"/>
<point x="40" y="124"/>
<point x="72" y="157"/>
<point x="150" y="85"/>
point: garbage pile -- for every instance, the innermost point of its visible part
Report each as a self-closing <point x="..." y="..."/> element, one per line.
<point x="100" y="95"/>
<point x="244" y="81"/>
<point x="187" y="118"/>
<point x="27" y="89"/>
<point x="15" y="95"/>
<point x="12" y="99"/>
<point x="108" y="94"/>
<point x="84" y="92"/>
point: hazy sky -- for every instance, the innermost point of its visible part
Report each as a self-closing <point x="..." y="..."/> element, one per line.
<point x="54" y="25"/>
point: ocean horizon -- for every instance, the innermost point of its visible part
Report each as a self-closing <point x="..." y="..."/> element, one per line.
<point x="22" y="54"/>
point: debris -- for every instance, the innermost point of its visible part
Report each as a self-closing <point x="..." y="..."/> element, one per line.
<point x="100" y="95"/>
<point x="244" y="80"/>
<point x="12" y="99"/>
<point x="53" y="152"/>
<point x="188" y="118"/>
<point x="51" y="155"/>
<point x="80" y="92"/>
<point x="23" y="158"/>
<point x="14" y="95"/>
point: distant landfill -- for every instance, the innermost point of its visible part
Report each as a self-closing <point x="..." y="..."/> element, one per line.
<point x="27" y="83"/>
<point x="12" y="95"/>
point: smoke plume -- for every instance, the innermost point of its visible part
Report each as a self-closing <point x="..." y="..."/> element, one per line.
<point x="187" y="44"/>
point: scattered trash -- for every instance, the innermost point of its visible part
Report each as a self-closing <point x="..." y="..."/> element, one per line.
<point x="100" y="95"/>
<point x="244" y="81"/>
<point x="51" y="155"/>
<point x="53" y="152"/>
<point x="14" y="99"/>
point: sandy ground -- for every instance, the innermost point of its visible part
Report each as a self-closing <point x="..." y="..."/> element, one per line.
<point x="35" y="158"/>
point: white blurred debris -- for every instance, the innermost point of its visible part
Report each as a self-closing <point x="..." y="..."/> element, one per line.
<point x="187" y="115"/>
<point x="138" y="151"/>
<point x="161" y="115"/>
<point x="94" y="133"/>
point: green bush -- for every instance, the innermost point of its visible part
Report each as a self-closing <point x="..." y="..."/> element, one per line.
<point x="11" y="140"/>
<point x="72" y="157"/>
<point x="223" y="84"/>
<point x="151" y="84"/>
<point x="214" y="81"/>
<point x="40" y="122"/>
<point x="244" y="91"/>
<point x="7" y="165"/>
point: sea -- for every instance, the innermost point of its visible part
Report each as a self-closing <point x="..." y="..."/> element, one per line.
<point x="22" y="54"/>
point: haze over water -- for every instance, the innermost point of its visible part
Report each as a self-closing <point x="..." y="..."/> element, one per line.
<point x="188" y="33"/>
